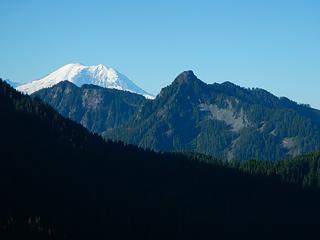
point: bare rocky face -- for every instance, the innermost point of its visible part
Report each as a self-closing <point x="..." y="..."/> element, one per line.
<point x="236" y="120"/>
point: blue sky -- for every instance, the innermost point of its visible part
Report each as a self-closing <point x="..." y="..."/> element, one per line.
<point x="268" y="44"/>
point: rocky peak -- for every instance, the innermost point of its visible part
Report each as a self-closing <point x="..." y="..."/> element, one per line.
<point x="186" y="77"/>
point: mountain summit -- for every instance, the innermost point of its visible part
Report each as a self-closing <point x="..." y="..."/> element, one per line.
<point x="79" y="74"/>
<point x="186" y="76"/>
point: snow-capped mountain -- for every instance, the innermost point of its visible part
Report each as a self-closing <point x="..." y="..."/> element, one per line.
<point x="79" y="74"/>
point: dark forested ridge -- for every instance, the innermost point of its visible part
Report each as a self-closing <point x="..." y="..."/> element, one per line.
<point x="58" y="181"/>
<point x="222" y="120"/>
<point x="303" y="170"/>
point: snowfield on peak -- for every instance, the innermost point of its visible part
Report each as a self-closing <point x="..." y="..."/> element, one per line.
<point x="79" y="74"/>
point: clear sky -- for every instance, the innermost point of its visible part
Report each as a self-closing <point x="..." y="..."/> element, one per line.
<point x="271" y="44"/>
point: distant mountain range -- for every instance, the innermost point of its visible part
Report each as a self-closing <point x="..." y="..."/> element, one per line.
<point x="223" y="120"/>
<point x="79" y="74"/>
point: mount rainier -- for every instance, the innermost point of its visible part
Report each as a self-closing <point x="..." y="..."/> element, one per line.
<point x="79" y="74"/>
